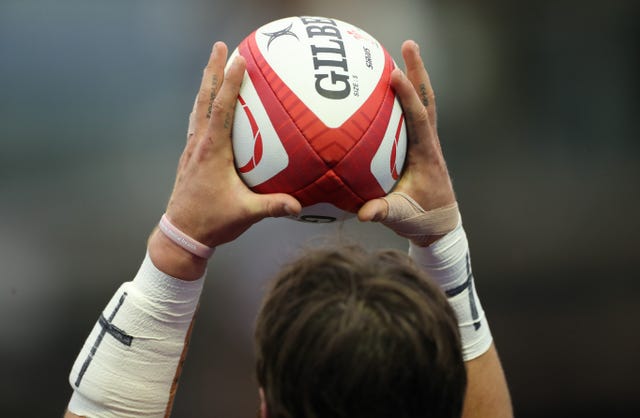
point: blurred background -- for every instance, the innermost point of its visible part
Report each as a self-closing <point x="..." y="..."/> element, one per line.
<point x="538" y="116"/>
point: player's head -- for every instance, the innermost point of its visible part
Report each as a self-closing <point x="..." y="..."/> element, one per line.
<point x="347" y="333"/>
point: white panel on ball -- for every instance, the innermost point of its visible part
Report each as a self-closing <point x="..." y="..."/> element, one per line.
<point x="392" y="139"/>
<point x="290" y="55"/>
<point x="275" y="158"/>
<point x="316" y="117"/>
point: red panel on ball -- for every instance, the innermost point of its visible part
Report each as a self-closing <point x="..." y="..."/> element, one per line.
<point x="325" y="164"/>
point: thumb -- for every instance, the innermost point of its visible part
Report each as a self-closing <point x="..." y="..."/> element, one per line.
<point x="279" y="204"/>
<point x="375" y="210"/>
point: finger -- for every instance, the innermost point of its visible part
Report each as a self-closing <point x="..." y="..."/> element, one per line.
<point x="415" y="113"/>
<point x="278" y="204"/>
<point x="198" y="119"/>
<point x="211" y="79"/>
<point x="191" y="129"/>
<point x="375" y="210"/>
<point x="223" y="106"/>
<point x="419" y="77"/>
<point x="188" y="150"/>
<point x="416" y="71"/>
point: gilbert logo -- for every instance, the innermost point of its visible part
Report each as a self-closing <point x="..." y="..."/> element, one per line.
<point x="275" y="35"/>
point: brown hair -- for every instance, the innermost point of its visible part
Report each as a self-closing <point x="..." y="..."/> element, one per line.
<point x="347" y="333"/>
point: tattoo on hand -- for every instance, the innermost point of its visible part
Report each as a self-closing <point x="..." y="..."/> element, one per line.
<point x="423" y="95"/>
<point x="212" y="97"/>
<point x="227" y="121"/>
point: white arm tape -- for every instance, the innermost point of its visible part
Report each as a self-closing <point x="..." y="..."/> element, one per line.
<point x="447" y="261"/>
<point x="129" y="362"/>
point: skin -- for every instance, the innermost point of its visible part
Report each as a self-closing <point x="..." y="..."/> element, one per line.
<point x="210" y="202"/>
<point x="426" y="179"/>
<point x="212" y="212"/>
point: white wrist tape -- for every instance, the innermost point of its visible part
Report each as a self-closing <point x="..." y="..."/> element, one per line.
<point x="447" y="261"/>
<point x="130" y="363"/>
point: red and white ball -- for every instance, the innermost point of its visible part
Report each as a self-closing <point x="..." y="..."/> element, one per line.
<point x="316" y="117"/>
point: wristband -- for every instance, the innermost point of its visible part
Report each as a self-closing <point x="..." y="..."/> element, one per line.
<point x="184" y="240"/>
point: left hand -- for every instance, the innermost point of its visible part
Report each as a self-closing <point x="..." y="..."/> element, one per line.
<point x="210" y="202"/>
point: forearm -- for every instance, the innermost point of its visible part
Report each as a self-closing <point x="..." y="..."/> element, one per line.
<point x="130" y="363"/>
<point x="447" y="261"/>
<point x="487" y="393"/>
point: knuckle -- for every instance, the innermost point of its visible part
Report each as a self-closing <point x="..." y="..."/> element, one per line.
<point x="420" y="116"/>
<point x="203" y="97"/>
<point x="218" y="108"/>
<point x="233" y="80"/>
<point x="203" y="151"/>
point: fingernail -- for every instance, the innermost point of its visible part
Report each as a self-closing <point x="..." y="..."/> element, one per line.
<point x="288" y="209"/>
<point x="215" y="51"/>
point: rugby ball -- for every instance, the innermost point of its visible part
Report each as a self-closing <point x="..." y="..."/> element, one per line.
<point x="316" y="117"/>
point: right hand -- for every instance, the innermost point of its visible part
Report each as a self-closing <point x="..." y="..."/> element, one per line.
<point x="425" y="177"/>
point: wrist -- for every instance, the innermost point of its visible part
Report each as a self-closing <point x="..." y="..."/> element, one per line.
<point x="174" y="260"/>
<point x="407" y="218"/>
<point x="447" y="262"/>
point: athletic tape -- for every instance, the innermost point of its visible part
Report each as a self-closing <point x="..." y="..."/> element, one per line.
<point x="448" y="262"/>
<point x="407" y="218"/>
<point x="129" y="364"/>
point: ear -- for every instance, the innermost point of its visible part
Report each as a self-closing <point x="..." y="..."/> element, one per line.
<point x="263" y="404"/>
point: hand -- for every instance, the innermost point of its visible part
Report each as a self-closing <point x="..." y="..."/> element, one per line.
<point x="209" y="201"/>
<point x="425" y="177"/>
